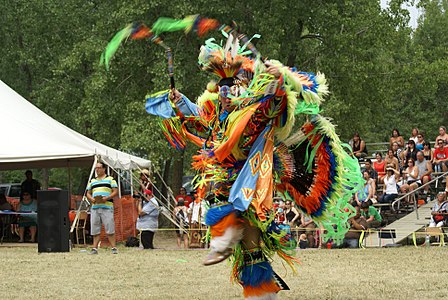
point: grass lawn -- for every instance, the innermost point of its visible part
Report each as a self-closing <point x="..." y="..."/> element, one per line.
<point x="394" y="273"/>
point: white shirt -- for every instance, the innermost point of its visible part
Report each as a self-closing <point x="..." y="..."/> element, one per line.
<point x="391" y="185"/>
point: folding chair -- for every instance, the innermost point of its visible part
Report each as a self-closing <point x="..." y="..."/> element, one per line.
<point x="387" y="234"/>
<point x="437" y="232"/>
<point x="81" y="226"/>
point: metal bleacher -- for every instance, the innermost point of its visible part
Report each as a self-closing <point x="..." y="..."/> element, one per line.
<point x="403" y="219"/>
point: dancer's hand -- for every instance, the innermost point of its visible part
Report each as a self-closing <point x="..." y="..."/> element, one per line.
<point x="273" y="70"/>
<point x="175" y="96"/>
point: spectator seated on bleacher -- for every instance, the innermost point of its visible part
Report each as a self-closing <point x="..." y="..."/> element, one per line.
<point x="391" y="160"/>
<point x="424" y="172"/>
<point x="409" y="152"/>
<point x="428" y="153"/>
<point x="357" y="225"/>
<point x="440" y="160"/>
<point x="414" y="135"/>
<point x="439" y="214"/>
<point x="379" y="165"/>
<point x="420" y="141"/>
<point x="358" y="146"/>
<point x="368" y="191"/>
<point x="411" y="177"/>
<point x="398" y="154"/>
<point x="396" y="138"/>
<point x="371" y="215"/>
<point x="443" y="135"/>
<point x="368" y="168"/>
<point x="390" y="191"/>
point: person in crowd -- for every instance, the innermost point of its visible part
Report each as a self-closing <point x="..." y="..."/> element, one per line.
<point x="368" y="191"/>
<point x="414" y="134"/>
<point x="180" y="214"/>
<point x="371" y="215"/>
<point x="443" y="135"/>
<point x="357" y="225"/>
<point x="358" y="146"/>
<point x="424" y="172"/>
<point x="27" y="204"/>
<point x="391" y="160"/>
<point x="368" y="168"/>
<point x="420" y="141"/>
<point x="439" y="213"/>
<point x="30" y="185"/>
<point x="390" y="191"/>
<point x="379" y="165"/>
<point x="408" y="153"/>
<point x="428" y="153"/>
<point x="197" y="212"/>
<point x="101" y="191"/>
<point x="396" y="138"/>
<point x="145" y="181"/>
<point x="440" y="160"/>
<point x="4" y="204"/>
<point x="291" y="216"/>
<point x="5" y="220"/>
<point x="411" y="177"/>
<point x="397" y="153"/>
<point x="308" y="227"/>
<point x="183" y="196"/>
<point x="148" y="219"/>
<point x="280" y="213"/>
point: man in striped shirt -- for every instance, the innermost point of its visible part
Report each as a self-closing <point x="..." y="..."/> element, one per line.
<point x="101" y="192"/>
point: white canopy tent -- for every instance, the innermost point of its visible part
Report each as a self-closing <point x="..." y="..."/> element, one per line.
<point x="32" y="139"/>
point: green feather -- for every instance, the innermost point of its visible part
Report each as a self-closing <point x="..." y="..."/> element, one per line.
<point x="113" y="45"/>
<point x="169" y="25"/>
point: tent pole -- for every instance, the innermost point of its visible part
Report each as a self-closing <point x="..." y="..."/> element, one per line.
<point x="132" y="185"/>
<point x="69" y="181"/>
<point x="119" y="184"/>
<point x="84" y="198"/>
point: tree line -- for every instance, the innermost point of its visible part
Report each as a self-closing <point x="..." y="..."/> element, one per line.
<point x="382" y="73"/>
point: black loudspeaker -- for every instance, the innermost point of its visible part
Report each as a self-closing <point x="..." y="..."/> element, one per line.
<point x="52" y="221"/>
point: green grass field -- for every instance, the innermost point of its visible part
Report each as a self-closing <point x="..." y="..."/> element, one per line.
<point x="394" y="273"/>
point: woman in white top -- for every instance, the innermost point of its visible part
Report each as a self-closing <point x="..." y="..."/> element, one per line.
<point x="390" y="191"/>
<point x="411" y="175"/>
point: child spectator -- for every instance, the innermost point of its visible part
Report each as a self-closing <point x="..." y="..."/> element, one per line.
<point x="371" y="215"/>
<point x="440" y="157"/>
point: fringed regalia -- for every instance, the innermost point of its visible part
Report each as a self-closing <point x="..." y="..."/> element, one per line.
<point x="253" y="151"/>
